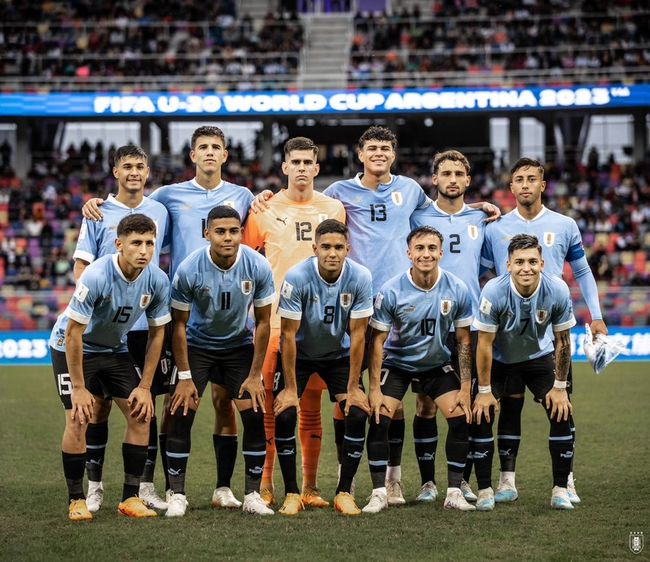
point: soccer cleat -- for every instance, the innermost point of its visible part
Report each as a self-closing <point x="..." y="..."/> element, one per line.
<point x="377" y="502"/>
<point x="177" y="505"/>
<point x="223" y="497"/>
<point x="467" y="491"/>
<point x="428" y="493"/>
<point x="168" y="495"/>
<point x="571" y="488"/>
<point x="254" y="504"/>
<point x="506" y="491"/>
<point x="95" y="496"/>
<point x="78" y="511"/>
<point x="344" y="503"/>
<point x="135" y="507"/>
<point x="456" y="500"/>
<point x="394" y="492"/>
<point x="311" y="498"/>
<point x="267" y="496"/>
<point x="292" y="505"/>
<point x="560" y="498"/>
<point x="485" y="500"/>
<point x="148" y="494"/>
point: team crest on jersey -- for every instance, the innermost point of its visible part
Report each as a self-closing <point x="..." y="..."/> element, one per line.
<point x="472" y="231"/>
<point x="145" y="300"/>
<point x="229" y="204"/>
<point x="541" y="316"/>
<point x="445" y="307"/>
<point x="346" y="300"/>
<point x="287" y="289"/>
<point x="549" y="238"/>
<point x="486" y="306"/>
<point x="397" y="198"/>
<point x="246" y="286"/>
<point x="322" y="217"/>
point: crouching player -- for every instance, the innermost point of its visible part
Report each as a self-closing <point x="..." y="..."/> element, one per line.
<point x="213" y="341"/>
<point x="91" y="360"/>
<point x="322" y="300"/>
<point x="414" y="313"/>
<point x="517" y="312"/>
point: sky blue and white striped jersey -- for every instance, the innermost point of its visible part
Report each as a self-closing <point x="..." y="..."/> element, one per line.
<point x="188" y="205"/>
<point x="420" y="320"/>
<point x="97" y="238"/>
<point x="464" y="233"/>
<point x="379" y="222"/>
<point x="110" y="305"/>
<point x="325" y="309"/>
<point x="524" y="326"/>
<point x="219" y="300"/>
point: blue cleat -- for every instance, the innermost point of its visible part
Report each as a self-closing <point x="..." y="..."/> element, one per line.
<point x="428" y="493"/>
<point x="560" y="498"/>
<point x="506" y="492"/>
<point x="485" y="500"/>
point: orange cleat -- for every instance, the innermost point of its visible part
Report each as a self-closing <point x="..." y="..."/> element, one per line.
<point x="135" y="507"/>
<point x="78" y="511"/>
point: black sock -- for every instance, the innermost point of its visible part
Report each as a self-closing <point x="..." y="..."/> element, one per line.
<point x="152" y="450"/>
<point x="134" y="457"/>
<point x="285" y="447"/>
<point x="573" y="431"/>
<point x="481" y="450"/>
<point x="560" y="444"/>
<point x="73" y="470"/>
<point x="162" y="441"/>
<point x="253" y="449"/>
<point x="355" y="433"/>
<point x="456" y="448"/>
<point x="425" y="439"/>
<point x="396" y="431"/>
<point x="96" y="439"/>
<point x="509" y="432"/>
<point x="339" y="433"/>
<point x="225" y="452"/>
<point x="179" y="444"/>
<point x="378" y="450"/>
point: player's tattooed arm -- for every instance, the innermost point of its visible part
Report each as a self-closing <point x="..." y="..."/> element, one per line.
<point x="562" y="355"/>
<point x="464" y="354"/>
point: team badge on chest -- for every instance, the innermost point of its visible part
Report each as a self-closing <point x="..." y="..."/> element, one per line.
<point x="445" y="307"/>
<point x="246" y="286"/>
<point x="472" y="231"/>
<point x="346" y="300"/>
<point x="396" y="196"/>
<point x="541" y="316"/>
<point x="145" y="300"/>
<point x="549" y="238"/>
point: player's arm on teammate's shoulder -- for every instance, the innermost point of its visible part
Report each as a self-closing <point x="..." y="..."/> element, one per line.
<point x="185" y="392"/>
<point x="375" y="355"/>
<point x="288" y="397"/>
<point x="253" y="383"/>
<point x="485" y="398"/>
<point x="260" y="203"/>
<point x="490" y="209"/>
<point x="82" y="399"/>
<point x="557" y="399"/>
<point x="464" y="345"/>
<point x="356" y="396"/>
<point x="91" y="211"/>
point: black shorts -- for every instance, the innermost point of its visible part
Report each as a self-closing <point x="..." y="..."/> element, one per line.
<point x="334" y="372"/>
<point x="137" y="343"/>
<point x="434" y="382"/>
<point x="537" y="374"/>
<point x="228" y="368"/>
<point x="107" y="375"/>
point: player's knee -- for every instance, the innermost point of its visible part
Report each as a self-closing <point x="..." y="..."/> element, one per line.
<point x="459" y="428"/>
<point x="253" y="423"/>
<point x="399" y="412"/>
<point x="356" y="417"/>
<point x="285" y="421"/>
<point x="425" y="407"/>
<point x="75" y="431"/>
<point x="379" y="431"/>
<point x="180" y="424"/>
<point x="101" y="411"/>
<point x="337" y="412"/>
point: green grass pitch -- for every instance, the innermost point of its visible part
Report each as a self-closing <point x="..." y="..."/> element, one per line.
<point x="613" y="437"/>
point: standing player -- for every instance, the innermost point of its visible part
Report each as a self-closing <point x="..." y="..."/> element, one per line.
<point x="188" y="204"/>
<point x="561" y="241"/>
<point x="516" y="315"/>
<point x="91" y="360"/>
<point x="322" y="300"/>
<point x="96" y="239"/>
<point x="285" y="232"/>
<point x="213" y="341"/>
<point x="418" y="309"/>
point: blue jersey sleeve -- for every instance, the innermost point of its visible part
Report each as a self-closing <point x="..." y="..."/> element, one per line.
<point x="487" y="256"/>
<point x="264" y="288"/>
<point x="464" y="315"/>
<point x="487" y="319"/>
<point x="576" y="249"/>
<point x="382" y="318"/>
<point x="87" y="243"/>
<point x="290" y="305"/>
<point x="362" y="305"/>
<point x="562" y="314"/>
<point x="182" y="293"/>
<point x="83" y="300"/>
<point x="158" y="310"/>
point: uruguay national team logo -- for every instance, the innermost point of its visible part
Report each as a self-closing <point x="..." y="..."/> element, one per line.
<point x="541" y="316"/>
<point x="549" y="238"/>
<point x="246" y="286"/>
<point x="472" y="231"/>
<point x="396" y="196"/>
<point x="230" y="204"/>
<point x="322" y="217"/>
<point x="346" y="300"/>
<point x="145" y="300"/>
<point x="445" y="307"/>
<point x="636" y="542"/>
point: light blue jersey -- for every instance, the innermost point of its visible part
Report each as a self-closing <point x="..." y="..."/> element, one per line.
<point x="220" y="299"/>
<point x="97" y="238"/>
<point x="524" y="326"/>
<point x="110" y="305"/>
<point x="463" y="234"/>
<point x="188" y="205"/>
<point x="419" y="321"/>
<point x="379" y="222"/>
<point x="325" y="309"/>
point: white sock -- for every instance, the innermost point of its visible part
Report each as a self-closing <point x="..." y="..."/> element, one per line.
<point x="394" y="473"/>
<point x="510" y="476"/>
<point x="381" y="491"/>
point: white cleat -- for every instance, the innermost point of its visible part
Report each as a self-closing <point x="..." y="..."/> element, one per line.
<point x="428" y="493"/>
<point x="506" y="490"/>
<point x="223" y="497"/>
<point x="394" y="492"/>
<point x="485" y="500"/>
<point x="467" y="491"/>
<point x="378" y="501"/>
<point x="255" y="505"/>
<point x="571" y="488"/>
<point x="148" y="495"/>
<point x="560" y="498"/>
<point x="456" y="500"/>
<point x="95" y="496"/>
<point x="177" y="505"/>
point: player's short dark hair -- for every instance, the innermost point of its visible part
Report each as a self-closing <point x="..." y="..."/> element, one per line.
<point x="378" y="134"/>
<point x="129" y="150"/>
<point x="527" y="163"/>
<point x="331" y="226"/>
<point x="223" y="212"/>
<point x="452" y="156"/>
<point x="300" y="143"/>
<point x="138" y="223"/>
<point x="422" y="231"/>
<point x="523" y="242"/>
<point x="207" y="131"/>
